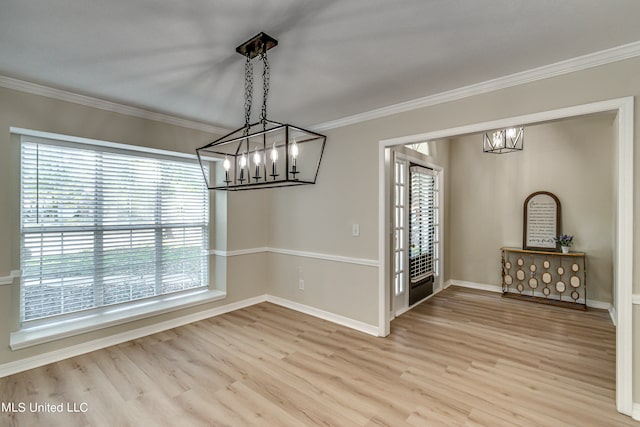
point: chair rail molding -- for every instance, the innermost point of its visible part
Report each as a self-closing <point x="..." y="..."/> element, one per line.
<point x="8" y="280"/>
<point x="304" y="254"/>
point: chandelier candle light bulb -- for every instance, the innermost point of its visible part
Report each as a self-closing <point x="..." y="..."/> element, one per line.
<point x="256" y="161"/>
<point x="243" y="164"/>
<point x="294" y="155"/>
<point x="226" y="165"/>
<point x="274" y="160"/>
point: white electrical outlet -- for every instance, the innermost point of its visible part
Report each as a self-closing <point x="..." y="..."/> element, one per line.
<point x="355" y="230"/>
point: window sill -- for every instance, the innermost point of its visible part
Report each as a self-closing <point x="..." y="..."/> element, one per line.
<point x="111" y="316"/>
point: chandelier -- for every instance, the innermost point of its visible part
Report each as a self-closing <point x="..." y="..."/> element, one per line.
<point x="266" y="153"/>
<point x="503" y="140"/>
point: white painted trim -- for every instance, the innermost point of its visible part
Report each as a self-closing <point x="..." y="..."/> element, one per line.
<point x="325" y="315"/>
<point x="543" y="116"/>
<point x="635" y="298"/>
<point x="479" y="286"/>
<point x="635" y="414"/>
<point x="326" y="257"/>
<point x="8" y="280"/>
<point x="88" y="101"/>
<point x="592" y="303"/>
<point x="595" y="59"/>
<point x="238" y="252"/>
<point x="498" y="289"/>
<point x="78" y="349"/>
<point x="623" y="259"/>
<point x="624" y="219"/>
<point x="291" y="252"/>
<point x="384" y="236"/>
<point x="613" y="314"/>
<point x="98" y="143"/>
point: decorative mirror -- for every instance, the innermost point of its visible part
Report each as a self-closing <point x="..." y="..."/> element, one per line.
<point x="541" y="221"/>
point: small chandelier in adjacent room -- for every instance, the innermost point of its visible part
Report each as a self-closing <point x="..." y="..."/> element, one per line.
<point x="264" y="154"/>
<point x="502" y="141"/>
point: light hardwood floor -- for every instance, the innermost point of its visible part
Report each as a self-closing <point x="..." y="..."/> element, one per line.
<point x="463" y="358"/>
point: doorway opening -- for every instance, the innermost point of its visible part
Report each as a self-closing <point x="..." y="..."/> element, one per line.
<point x="623" y="220"/>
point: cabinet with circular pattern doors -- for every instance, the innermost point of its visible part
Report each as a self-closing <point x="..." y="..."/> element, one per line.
<point x="546" y="277"/>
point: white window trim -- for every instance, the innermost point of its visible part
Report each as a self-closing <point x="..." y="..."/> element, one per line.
<point x="108" y="144"/>
<point x="99" y="143"/>
<point x="110" y="316"/>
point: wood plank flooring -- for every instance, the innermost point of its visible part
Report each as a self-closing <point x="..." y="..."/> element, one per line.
<point x="463" y="358"/>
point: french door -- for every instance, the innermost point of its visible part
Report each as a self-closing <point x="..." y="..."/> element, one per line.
<point x="416" y="233"/>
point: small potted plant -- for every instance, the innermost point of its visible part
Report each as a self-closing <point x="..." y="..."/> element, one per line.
<point x="565" y="241"/>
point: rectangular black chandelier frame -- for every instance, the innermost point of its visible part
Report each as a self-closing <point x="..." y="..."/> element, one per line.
<point x="284" y="170"/>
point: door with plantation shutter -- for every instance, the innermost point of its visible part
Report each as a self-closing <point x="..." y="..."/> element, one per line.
<point x="423" y="232"/>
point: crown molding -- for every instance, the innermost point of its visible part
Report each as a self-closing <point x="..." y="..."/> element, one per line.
<point x="618" y="53"/>
<point x="595" y="59"/>
<point x="88" y="101"/>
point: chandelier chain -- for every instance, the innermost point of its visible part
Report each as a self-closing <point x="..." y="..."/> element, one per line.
<point x="248" y="92"/>
<point x="266" y="74"/>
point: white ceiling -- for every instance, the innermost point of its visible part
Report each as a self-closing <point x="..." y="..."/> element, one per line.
<point x="335" y="58"/>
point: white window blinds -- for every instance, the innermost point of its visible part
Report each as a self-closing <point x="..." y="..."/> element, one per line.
<point x="423" y="233"/>
<point x="102" y="227"/>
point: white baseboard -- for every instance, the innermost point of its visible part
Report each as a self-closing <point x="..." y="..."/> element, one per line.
<point x="326" y="315"/>
<point x="32" y="362"/>
<point x="11" y="368"/>
<point x="635" y="414"/>
<point x="591" y="303"/>
<point x="614" y="315"/>
<point x="498" y="289"/>
<point x="475" y="285"/>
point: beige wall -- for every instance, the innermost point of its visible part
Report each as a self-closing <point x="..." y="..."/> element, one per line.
<point x="572" y="159"/>
<point x="318" y="218"/>
<point x="28" y="111"/>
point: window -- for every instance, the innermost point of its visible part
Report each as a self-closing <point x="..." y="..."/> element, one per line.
<point x="424" y="223"/>
<point x="102" y="226"/>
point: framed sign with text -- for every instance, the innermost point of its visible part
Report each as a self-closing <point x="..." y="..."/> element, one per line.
<point x="541" y="221"/>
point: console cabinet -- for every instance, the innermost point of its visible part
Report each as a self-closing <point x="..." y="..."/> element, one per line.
<point x="546" y="277"/>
